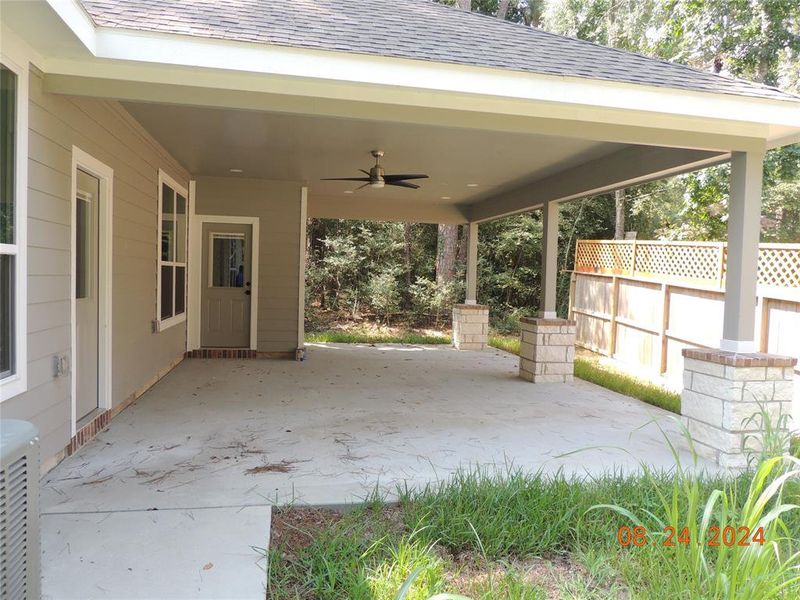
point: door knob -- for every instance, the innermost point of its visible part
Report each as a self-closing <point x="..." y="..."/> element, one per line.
<point x="247" y="292"/>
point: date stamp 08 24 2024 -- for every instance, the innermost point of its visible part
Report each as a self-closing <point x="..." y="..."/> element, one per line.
<point x="716" y="536"/>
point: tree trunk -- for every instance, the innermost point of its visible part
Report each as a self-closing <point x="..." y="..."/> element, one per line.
<point x="619" y="226"/>
<point x="502" y="9"/>
<point x="463" y="242"/>
<point x="447" y="239"/>
<point x="407" y="241"/>
<point x="446" y="254"/>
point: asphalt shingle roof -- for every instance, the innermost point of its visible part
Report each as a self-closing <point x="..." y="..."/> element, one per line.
<point x="412" y="29"/>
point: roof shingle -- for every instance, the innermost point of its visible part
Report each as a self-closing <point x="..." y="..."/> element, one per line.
<point x="412" y="29"/>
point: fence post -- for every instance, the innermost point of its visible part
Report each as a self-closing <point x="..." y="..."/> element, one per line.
<point x="721" y="266"/>
<point x="572" y="279"/>
<point x="612" y="338"/>
<point x="664" y="327"/>
<point x="633" y="259"/>
<point x="763" y="324"/>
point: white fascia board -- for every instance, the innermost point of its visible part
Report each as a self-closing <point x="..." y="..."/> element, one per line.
<point x="76" y="18"/>
<point x="786" y="140"/>
<point x="392" y="73"/>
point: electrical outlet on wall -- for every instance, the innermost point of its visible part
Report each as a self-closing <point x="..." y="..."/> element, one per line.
<point x="60" y="365"/>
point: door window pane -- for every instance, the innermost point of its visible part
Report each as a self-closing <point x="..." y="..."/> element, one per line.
<point x="227" y="256"/>
<point x="8" y="115"/>
<point x="166" y="291"/>
<point x="6" y="314"/>
<point x="83" y="248"/>
<point x="180" y="290"/>
<point x="180" y="228"/>
<point x="167" y="223"/>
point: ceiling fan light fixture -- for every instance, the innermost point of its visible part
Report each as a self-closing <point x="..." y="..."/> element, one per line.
<point x="377" y="178"/>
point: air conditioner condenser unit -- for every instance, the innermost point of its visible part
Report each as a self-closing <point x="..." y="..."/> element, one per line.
<point x="20" y="563"/>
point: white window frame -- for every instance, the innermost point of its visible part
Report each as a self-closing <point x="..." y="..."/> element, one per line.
<point x="162" y="324"/>
<point x="17" y="382"/>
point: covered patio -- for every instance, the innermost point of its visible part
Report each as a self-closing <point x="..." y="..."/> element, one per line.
<point x="217" y="441"/>
<point x="350" y="417"/>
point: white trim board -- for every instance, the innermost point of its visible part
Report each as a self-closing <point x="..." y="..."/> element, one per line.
<point x="301" y="276"/>
<point x="13" y="57"/>
<point x="195" y="266"/>
<point x="105" y="174"/>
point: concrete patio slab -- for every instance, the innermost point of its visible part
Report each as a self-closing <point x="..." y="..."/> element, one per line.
<point x="165" y="554"/>
<point x="328" y="430"/>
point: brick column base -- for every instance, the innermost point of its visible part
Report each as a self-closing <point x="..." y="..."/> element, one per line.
<point x="723" y="396"/>
<point x="470" y="326"/>
<point x="547" y="350"/>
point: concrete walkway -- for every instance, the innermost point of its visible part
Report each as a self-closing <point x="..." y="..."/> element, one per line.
<point x="218" y="441"/>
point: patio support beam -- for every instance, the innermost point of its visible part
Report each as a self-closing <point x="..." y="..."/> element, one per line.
<point x="472" y="264"/>
<point x="547" y="303"/>
<point x="626" y="167"/>
<point x="744" y="227"/>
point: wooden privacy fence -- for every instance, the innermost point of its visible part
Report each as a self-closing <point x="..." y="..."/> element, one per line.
<point x="642" y="302"/>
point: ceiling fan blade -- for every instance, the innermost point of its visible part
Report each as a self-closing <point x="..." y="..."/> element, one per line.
<point x="404" y="184"/>
<point x="345" y="179"/>
<point x="362" y="186"/>
<point x="396" y="177"/>
<point x="365" y="172"/>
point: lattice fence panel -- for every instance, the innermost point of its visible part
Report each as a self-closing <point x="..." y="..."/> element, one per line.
<point x="779" y="266"/>
<point x="603" y="256"/>
<point x="683" y="261"/>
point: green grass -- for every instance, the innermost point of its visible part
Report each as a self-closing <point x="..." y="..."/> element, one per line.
<point x="607" y="377"/>
<point x="348" y="337"/>
<point x="496" y="523"/>
<point x="628" y="385"/>
<point x="505" y="342"/>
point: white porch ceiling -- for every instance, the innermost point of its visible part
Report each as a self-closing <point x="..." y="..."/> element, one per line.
<point x="280" y="146"/>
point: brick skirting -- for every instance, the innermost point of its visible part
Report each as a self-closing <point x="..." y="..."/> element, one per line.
<point x="222" y="353"/>
<point x="87" y="432"/>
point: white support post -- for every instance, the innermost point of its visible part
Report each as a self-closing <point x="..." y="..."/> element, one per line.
<point x="472" y="264"/>
<point x="744" y="227"/>
<point x="547" y="308"/>
<point x="301" y="277"/>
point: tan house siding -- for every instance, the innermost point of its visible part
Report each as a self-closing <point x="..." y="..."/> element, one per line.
<point x="106" y="131"/>
<point x="278" y="206"/>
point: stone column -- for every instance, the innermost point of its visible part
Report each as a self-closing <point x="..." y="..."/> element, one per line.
<point x="470" y="326"/>
<point x="723" y="396"/>
<point x="547" y="350"/>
